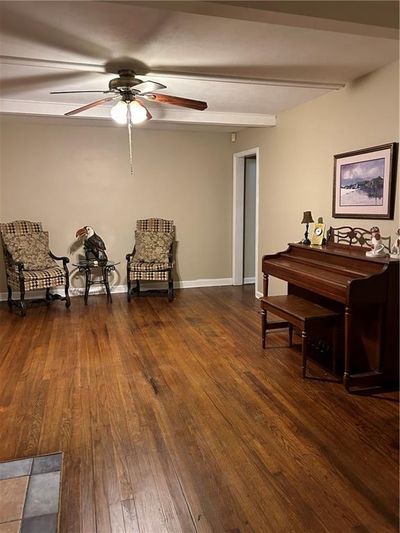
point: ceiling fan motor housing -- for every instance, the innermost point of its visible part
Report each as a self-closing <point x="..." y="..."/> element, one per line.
<point x="126" y="80"/>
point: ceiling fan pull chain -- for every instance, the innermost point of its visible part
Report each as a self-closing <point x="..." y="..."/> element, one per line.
<point x="129" y="122"/>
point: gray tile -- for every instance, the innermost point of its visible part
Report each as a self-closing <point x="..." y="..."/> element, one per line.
<point x="40" y="524"/>
<point x="47" y="463"/>
<point x="43" y="493"/>
<point x="22" y="467"/>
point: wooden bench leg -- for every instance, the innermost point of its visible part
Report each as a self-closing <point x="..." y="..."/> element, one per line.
<point x="290" y="335"/>
<point x="263" y="326"/>
<point x="304" y="350"/>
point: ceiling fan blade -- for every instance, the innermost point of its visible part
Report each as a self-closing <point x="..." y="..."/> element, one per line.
<point x="148" y="87"/>
<point x="76" y="92"/>
<point x="89" y="106"/>
<point x="177" y="100"/>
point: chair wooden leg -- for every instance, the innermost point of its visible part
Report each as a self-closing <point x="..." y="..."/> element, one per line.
<point x="22" y="301"/>
<point x="137" y="287"/>
<point x="170" y="290"/>
<point x="9" y="298"/>
<point x="67" y="298"/>
<point x="129" y="289"/>
<point x="304" y="350"/>
<point x="48" y="295"/>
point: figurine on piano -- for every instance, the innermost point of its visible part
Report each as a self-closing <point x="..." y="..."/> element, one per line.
<point x="395" y="251"/>
<point x="378" y="248"/>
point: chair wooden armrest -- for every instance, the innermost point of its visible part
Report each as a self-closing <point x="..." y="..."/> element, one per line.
<point x="62" y="258"/>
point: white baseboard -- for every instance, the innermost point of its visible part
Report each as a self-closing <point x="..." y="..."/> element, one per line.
<point x="259" y="294"/>
<point x="249" y="281"/>
<point x="75" y="291"/>
<point x="203" y="283"/>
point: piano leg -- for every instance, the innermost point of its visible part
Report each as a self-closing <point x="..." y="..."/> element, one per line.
<point x="347" y="347"/>
<point x="335" y="334"/>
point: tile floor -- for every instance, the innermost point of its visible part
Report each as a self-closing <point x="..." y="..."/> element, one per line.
<point x="29" y="494"/>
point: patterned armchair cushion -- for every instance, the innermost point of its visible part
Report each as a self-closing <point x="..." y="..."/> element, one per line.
<point x="140" y="266"/>
<point x="153" y="246"/>
<point x="39" y="279"/>
<point x="32" y="249"/>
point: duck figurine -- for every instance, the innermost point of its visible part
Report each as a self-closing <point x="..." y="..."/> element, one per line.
<point x="378" y="248"/>
<point x="95" y="249"/>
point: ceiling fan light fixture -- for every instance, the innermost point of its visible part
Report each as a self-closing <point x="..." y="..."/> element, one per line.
<point x="138" y="112"/>
<point x="119" y="112"/>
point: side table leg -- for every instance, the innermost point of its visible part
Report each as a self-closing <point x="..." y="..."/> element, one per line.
<point x="106" y="284"/>
<point x="87" y="284"/>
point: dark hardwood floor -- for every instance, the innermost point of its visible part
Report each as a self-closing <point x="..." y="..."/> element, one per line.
<point x="173" y="419"/>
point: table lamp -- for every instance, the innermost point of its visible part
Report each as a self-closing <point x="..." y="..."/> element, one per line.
<point x="307" y="218"/>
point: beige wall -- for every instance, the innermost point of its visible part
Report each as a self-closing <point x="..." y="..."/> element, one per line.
<point x="67" y="175"/>
<point x="296" y="157"/>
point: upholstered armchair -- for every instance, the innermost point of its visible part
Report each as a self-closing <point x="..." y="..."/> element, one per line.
<point x="29" y="263"/>
<point x="152" y="258"/>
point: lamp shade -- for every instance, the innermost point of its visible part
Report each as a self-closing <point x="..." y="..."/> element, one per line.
<point x="119" y="112"/>
<point x="138" y="112"/>
<point x="307" y="217"/>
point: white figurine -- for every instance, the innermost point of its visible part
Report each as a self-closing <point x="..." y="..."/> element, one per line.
<point x="395" y="251"/>
<point x="378" y="249"/>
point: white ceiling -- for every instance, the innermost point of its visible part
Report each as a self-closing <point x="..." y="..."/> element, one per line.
<point x="230" y="54"/>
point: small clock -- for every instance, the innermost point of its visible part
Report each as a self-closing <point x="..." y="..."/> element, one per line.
<point x="318" y="234"/>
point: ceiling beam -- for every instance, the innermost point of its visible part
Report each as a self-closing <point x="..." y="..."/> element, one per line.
<point x="90" y="67"/>
<point x="265" y="16"/>
<point x="246" y="81"/>
<point x="50" y="63"/>
<point x="160" y="114"/>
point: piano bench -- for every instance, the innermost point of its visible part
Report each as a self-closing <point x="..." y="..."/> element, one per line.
<point x="301" y="314"/>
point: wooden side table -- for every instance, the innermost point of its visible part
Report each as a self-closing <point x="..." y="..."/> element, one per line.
<point x="89" y="268"/>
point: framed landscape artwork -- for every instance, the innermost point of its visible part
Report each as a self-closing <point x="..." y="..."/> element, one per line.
<point x="364" y="183"/>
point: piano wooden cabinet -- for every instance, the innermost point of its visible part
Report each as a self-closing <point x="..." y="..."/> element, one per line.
<point x="365" y="290"/>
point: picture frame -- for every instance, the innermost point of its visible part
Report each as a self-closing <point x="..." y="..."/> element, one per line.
<point x="364" y="183"/>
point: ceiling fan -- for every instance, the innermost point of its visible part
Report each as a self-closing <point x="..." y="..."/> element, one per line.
<point x="130" y="93"/>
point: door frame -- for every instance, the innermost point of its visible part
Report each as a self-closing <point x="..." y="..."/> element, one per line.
<point x="238" y="212"/>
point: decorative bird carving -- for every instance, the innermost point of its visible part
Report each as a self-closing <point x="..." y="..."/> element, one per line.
<point x="94" y="246"/>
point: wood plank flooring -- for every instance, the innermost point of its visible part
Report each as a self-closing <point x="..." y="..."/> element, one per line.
<point x="173" y="419"/>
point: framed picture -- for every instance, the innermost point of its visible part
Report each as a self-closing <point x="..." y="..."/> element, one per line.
<point x="364" y="182"/>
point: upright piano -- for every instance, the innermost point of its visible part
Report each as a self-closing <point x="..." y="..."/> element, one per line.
<point x="364" y="289"/>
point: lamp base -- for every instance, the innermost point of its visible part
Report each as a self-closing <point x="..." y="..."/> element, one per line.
<point x="306" y="240"/>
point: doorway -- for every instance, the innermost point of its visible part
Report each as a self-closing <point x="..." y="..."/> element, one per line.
<point x="245" y="217"/>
